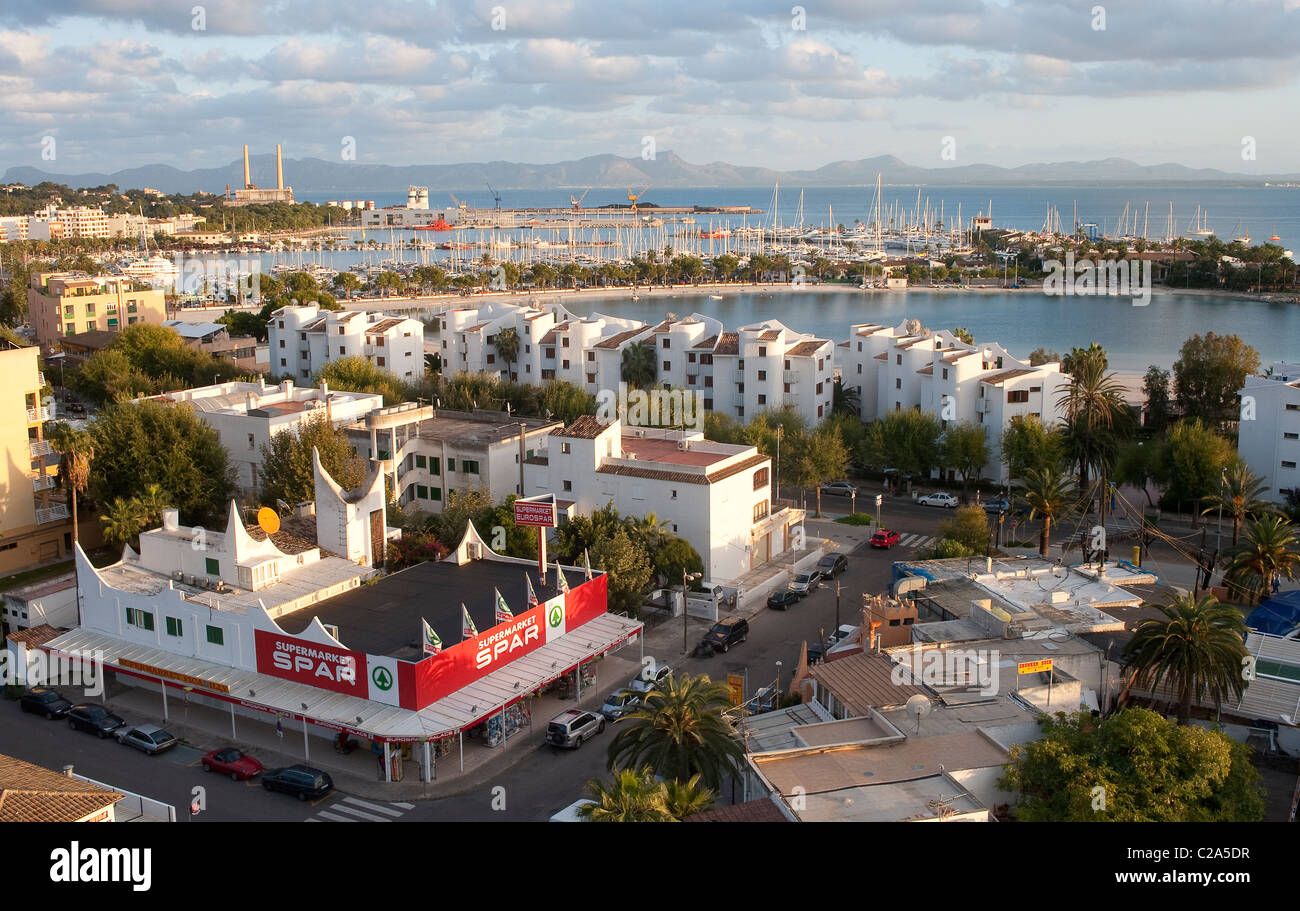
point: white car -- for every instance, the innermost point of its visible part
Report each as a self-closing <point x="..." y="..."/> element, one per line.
<point x="946" y="500"/>
<point x="652" y="675"/>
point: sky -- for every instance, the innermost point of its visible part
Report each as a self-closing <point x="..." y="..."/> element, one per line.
<point x="99" y="85"/>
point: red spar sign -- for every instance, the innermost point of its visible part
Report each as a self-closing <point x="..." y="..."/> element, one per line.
<point x="535" y="513"/>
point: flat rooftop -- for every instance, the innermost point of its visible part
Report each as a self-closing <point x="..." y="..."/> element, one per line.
<point x="647" y="449"/>
<point x="384" y="618"/>
<point x="934" y="797"/>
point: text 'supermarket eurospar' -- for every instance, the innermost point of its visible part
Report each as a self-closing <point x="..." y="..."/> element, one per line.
<point x="271" y="627"/>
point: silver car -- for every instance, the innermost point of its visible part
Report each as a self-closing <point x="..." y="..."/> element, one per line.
<point x="146" y="737"/>
<point x="569" y="729"/>
<point x="619" y="704"/>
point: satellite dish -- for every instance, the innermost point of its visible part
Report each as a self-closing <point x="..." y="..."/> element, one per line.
<point x="268" y="520"/>
<point x="918" y="707"/>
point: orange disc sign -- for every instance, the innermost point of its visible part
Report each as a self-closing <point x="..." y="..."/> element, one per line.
<point x="267" y="520"/>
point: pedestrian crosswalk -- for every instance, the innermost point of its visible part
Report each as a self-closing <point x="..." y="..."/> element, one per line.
<point x="915" y="541"/>
<point x="354" y="809"/>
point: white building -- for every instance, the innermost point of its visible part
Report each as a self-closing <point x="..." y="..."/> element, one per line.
<point x="1268" y="436"/>
<point x="717" y="496"/>
<point x="247" y="415"/>
<point x="302" y="340"/>
<point x="912" y="367"/>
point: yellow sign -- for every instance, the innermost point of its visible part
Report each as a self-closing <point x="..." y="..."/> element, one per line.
<point x="1034" y="667"/>
<point x="174" y="675"/>
<point x="736" y="683"/>
<point x="268" y="520"/>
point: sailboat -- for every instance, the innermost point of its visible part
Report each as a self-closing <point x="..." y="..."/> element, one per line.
<point x="1201" y="225"/>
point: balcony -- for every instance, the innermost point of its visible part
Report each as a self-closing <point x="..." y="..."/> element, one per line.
<point x="55" y="513"/>
<point x="789" y="376"/>
<point x="40" y="448"/>
<point x="37" y="414"/>
<point x="42" y="482"/>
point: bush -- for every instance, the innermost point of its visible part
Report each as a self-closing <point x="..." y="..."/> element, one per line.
<point x="860" y="518"/>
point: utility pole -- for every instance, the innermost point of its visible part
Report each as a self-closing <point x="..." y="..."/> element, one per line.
<point x="837" y="605"/>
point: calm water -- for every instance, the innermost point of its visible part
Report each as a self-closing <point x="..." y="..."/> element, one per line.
<point x="1134" y="337"/>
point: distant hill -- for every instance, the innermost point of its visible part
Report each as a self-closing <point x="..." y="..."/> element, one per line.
<point x="314" y="176"/>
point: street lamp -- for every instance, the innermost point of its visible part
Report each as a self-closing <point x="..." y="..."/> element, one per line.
<point x="778" y="681"/>
<point x="686" y="578"/>
<point x="780" y="428"/>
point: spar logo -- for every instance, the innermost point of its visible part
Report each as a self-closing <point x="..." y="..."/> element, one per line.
<point x="381" y="678"/>
<point x="513" y="637"/>
<point x="556" y="616"/>
<point x="315" y="662"/>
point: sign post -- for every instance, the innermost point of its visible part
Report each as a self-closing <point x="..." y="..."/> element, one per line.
<point x="538" y="512"/>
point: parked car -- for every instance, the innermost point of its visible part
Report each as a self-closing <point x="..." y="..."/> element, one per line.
<point x="840" y="488"/>
<point x="569" y="729"/>
<point x="803" y="583"/>
<point x="939" y="498"/>
<point x="997" y="506"/>
<point x="842" y="632"/>
<point x="783" y="599"/>
<point x="302" y="781"/>
<point x="232" y="762"/>
<point x="885" y="539"/>
<point x="832" y="565"/>
<point x="651" y="676"/>
<point x="726" y="633"/>
<point x="619" y="704"/>
<point x="146" y="737"/>
<point x="44" y="701"/>
<point x="94" y="719"/>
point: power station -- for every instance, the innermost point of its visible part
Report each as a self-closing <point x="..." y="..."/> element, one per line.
<point x="252" y="194"/>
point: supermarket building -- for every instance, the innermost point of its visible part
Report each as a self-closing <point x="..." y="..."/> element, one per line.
<point x="281" y="630"/>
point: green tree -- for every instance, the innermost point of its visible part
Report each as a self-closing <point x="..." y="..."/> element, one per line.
<point x="1240" y="495"/>
<point x="506" y="343"/>
<point x="242" y="324"/>
<point x="1150" y="770"/>
<point x="686" y="798"/>
<point x="1027" y="444"/>
<point x="1092" y="359"/>
<point x="1191" y="463"/>
<point x="640" y="366"/>
<point x="846" y="400"/>
<point x="965" y="447"/>
<point x="1197" y="649"/>
<point x="154" y="443"/>
<point x="964" y="334"/>
<point x="1155" y="386"/>
<point x="287" y="472"/>
<point x="565" y="401"/>
<point x="674" y="556"/>
<point x="1051" y="495"/>
<point x="1270" y="550"/>
<point x="357" y="374"/>
<point x="1040" y="356"/>
<point x="907" y="440"/>
<point x="76" y="449"/>
<point x="1209" y="371"/>
<point x="1138" y="464"/>
<point x="679" y="731"/>
<point x="629" y="570"/>
<point x="969" y="526"/>
<point x="122" y="521"/>
<point x="1094" y="410"/>
<point x="632" y="795"/>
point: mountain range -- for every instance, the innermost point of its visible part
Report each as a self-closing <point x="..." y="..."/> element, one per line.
<point x="314" y="176"/>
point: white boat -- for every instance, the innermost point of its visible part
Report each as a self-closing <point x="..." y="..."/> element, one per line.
<point x="158" y="271"/>
<point x="715" y="297"/>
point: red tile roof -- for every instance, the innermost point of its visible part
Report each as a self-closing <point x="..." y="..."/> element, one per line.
<point x="586" y="427"/>
<point x="728" y="343"/>
<point x="615" y="340"/>
<point x="998" y="379"/>
<point x="31" y="793"/>
<point x="759" y="810"/>
<point x="806" y="349"/>
<point x="708" y="342"/>
<point x="35" y="636"/>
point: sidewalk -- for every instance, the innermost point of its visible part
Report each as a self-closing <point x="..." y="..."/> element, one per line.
<point x="203" y="728"/>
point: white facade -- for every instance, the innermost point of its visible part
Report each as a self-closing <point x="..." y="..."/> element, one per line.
<point x="302" y="340"/>
<point x="894" y="368"/>
<point x="1268" y="435"/>
<point x="717" y="496"/>
<point x="247" y="415"/>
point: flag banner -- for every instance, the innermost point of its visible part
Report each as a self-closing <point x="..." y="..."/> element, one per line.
<point x="532" y="594"/>
<point x="432" y="644"/>
<point x="467" y="629"/>
<point x="503" y="610"/>
<point x="560" y="582"/>
<point x="586" y="563"/>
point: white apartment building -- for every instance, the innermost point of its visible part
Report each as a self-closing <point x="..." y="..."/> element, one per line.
<point x="303" y="339"/>
<point x="247" y="415"/>
<point x="1268" y="435"/>
<point x="899" y="367"/>
<point x="430" y="452"/>
<point x="13" y="227"/>
<point x="77" y="221"/>
<point x="717" y="496"/>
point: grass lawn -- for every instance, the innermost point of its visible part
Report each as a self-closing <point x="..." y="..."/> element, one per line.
<point x="27" y="577"/>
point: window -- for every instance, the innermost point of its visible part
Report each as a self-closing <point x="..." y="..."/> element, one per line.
<point x="342" y="351"/>
<point x="740" y="364"/>
<point x="898" y="383"/>
<point x="690" y="358"/>
<point x="1035" y="388"/>
<point x="468" y="466"/>
<point x="1292" y="406"/>
<point x="528" y="349"/>
<point x="706" y="359"/>
<point x="708" y="382"/>
<point x="422" y="491"/>
<point x="302" y="336"/>
<point x="762" y="351"/>
<point x="666" y="343"/>
<point x="859" y="368"/>
<point x="1290" y="436"/>
<point x="213" y="566"/>
<point x="859" y="346"/>
<point x="90" y="309"/>
<point x="421" y="461"/>
<point x="564" y="342"/>
<point x="762" y="399"/>
<point x="690" y="379"/>
<point x="216" y="636"/>
<point x="787" y="389"/>
<point x="491" y="358"/>
<point x="762" y="374"/>
<point x="1286" y="464"/>
<point x="740" y="387"/>
<point x="945" y="372"/>
<point x="591" y="377"/>
<point x="435" y="494"/>
<point x="708" y="403"/>
<point x="787" y="363"/>
<point x="340" y="330"/>
<point x="173" y="626"/>
<point x="565" y="448"/>
<point x="251" y="444"/>
<point x="760" y="511"/>
<point x="591" y="356"/>
<point x="451" y="464"/>
<point x="139" y="618"/>
<point x="1018" y="395"/>
<point x="92" y="325"/>
<point x="281" y="343"/>
<point x="550" y="352"/>
<point x="568" y="485"/>
<point x="761" y="478"/>
<point x="898" y="359"/>
<point x="565" y="365"/>
<point x="380" y="361"/>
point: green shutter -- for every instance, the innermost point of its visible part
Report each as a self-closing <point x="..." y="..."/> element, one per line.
<point x="216" y="636"/>
<point x="213" y="566"/>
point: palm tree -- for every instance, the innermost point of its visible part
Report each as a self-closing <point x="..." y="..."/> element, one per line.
<point x="686" y="798"/>
<point x="1094" y="404"/>
<point x="1239" y="496"/>
<point x="679" y="730"/>
<point x="122" y="521"/>
<point x="507" y="345"/>
<point x="1198" y="649"/>
<point x="1050" y="494"/>
<point x="846" y="398"/>
<point x="76" y="449"/>
<point x="640" y="365"/>
<point x="1269" y="550"/>
<point x="631" y="796"/>
<point x="433" y="363"/>
<point x="150" y="504"/>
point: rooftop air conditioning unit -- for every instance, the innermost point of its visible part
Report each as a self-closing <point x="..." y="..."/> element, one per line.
<point x="683" y="445"/>
<point x="639" y="433"/>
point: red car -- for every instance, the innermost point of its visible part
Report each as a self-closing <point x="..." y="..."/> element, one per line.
<point x="884" y="538"/>
<point x="232" y="762"/>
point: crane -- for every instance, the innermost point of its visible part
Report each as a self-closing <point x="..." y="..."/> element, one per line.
<point x="577" y="201"/>
<point x="496" y="197"/>
<point x="633" y="197"/>
<point x="459" y="205"/>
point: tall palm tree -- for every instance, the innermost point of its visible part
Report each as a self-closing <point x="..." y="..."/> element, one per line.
<point x="150" y="504"/>
<point x="1050" y="494"/>
<point x="1198" y="649"/>
<point x="640" y="365"/>
<point x="631" y="796"/>
<point x="686" y="798"/>
<point x="1239" y="497"/>
<point x="1094" y="404"/>
<point x="1269" y="550"/>
<point x="76" y="449"/>
<point x="122" y="521"/>
<point x="507" y="346"/>
<point x="679" y="730"/>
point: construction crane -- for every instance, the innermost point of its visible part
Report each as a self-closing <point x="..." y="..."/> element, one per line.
<point x="459" y="205"/>
<point x="496" y="197"/>
<point x="577" y="201"/>
<point x="633" y="197"/>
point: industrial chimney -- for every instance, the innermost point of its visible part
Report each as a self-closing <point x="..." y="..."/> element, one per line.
<point x="248" y="180"/>
<point x="279" y="169"/>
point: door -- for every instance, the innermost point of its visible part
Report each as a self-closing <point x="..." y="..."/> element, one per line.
<point x="377" y="538"/>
